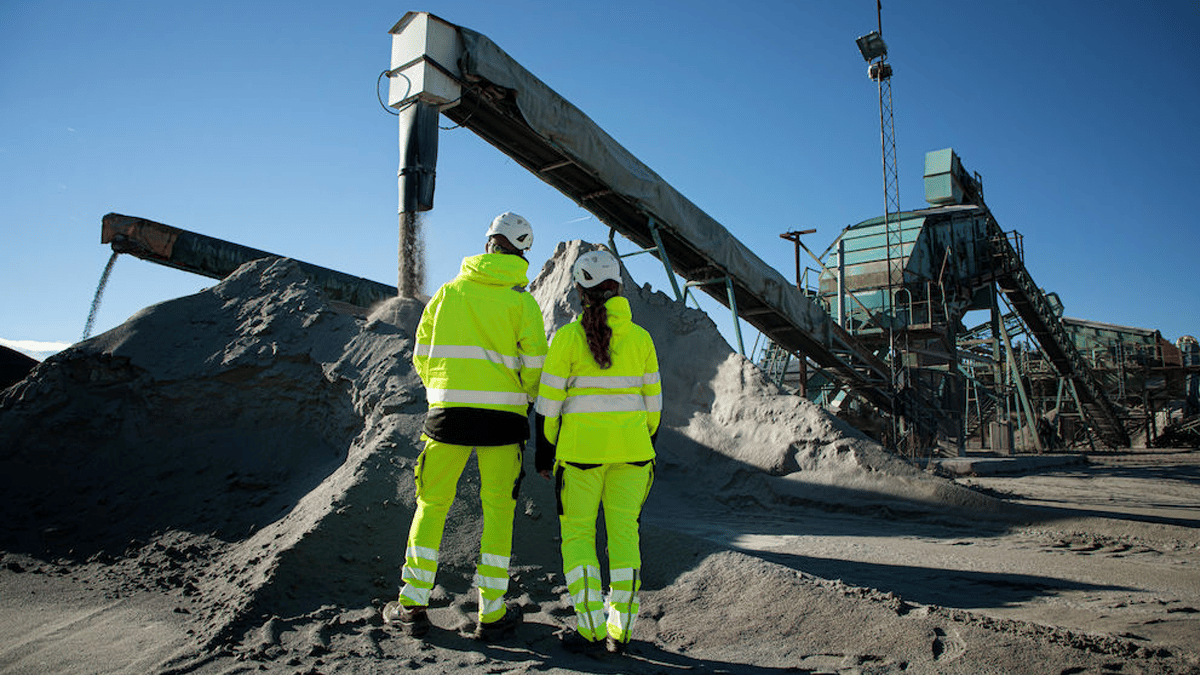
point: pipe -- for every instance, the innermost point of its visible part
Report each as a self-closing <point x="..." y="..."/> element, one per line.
<point x="415" y="179"/>
<point x="418" y="156"/>
<point x="841" y="284"/>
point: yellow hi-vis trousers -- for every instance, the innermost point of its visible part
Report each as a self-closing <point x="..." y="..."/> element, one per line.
<point x="622" y="488"/>
<point x="437" y="473"/>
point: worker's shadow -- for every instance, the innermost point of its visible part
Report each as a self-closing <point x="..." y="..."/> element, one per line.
<point x="540" y="643"/>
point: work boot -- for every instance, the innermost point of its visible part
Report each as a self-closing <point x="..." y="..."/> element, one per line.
<point x="493" y="631"/>
<point x="575" y="643"/>
<point x="414" y="621"/>
<point x="615" y="646"/>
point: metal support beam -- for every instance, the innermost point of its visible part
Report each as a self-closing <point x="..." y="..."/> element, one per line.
<point x="1082" y="413"/>
<point x="1030" y="420"/>
<point x="794" y="237"/>
<point x="666" y="261"/>
<point x="658" y="249"/>
<point x="737" y="325"/>
<point x="841" y="284"/>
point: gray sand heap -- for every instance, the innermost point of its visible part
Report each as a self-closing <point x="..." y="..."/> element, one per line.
<point x="734" y="432"/>
<point x="248" y="450"/>
<point x="266" y="431"/>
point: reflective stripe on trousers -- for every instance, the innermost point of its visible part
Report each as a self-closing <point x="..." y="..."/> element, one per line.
<point x="420" y="567"/>
<point x="623" y="602"/>
<point x="583" y="583"/>
<point x="437" y="473"/>
<point x="491" y="578"/>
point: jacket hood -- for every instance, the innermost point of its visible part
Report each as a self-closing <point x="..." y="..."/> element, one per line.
<point x="495" y="269"/>
<point x="619" y="313"/>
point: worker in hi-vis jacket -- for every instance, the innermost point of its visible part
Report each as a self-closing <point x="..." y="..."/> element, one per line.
<point x="479" y="351"/>
<point x="598" y="413"/>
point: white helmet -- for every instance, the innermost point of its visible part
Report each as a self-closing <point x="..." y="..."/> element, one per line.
<point x="515" y="229"/>
<point x="594" y="268"/>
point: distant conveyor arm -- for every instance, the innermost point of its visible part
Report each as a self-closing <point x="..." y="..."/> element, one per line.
<point x="217" y="259"/>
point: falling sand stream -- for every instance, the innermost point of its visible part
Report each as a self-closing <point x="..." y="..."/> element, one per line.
<point x="412" y="255"/>
<point x="87" y="328"/>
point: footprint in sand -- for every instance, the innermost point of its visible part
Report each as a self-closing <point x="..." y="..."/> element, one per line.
<point x="840" y="664"/>
<point x="947" y="647"/>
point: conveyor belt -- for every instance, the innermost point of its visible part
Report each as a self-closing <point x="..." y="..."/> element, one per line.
<point x="564" y="148"/>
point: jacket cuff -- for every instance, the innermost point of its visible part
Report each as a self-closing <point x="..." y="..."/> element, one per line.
<point x="543" y="458"/>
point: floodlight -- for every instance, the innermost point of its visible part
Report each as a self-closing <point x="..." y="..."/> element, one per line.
<point x="872" y="46"/>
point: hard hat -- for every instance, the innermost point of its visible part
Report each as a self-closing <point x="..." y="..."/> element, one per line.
<point x="594" y="268"/>
<point x="515" y="229"/>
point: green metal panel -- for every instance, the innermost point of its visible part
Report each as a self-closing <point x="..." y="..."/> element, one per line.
<point x="942" y="189"/>
<point x="908" y="219"/>
<point x="942" y="171"/>
<point x="926" y="238"/>
<point x="1089" y="337"/>
<point x="866" y="249"/>
<point x="939" y="161"/>
<point x="872" y="300"/>
<point x="877" y="239"/>
<point x="868" y="255"/>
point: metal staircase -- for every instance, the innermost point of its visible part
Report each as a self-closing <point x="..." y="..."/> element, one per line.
<point x="976" y="418"/>
<point x="1043" y="323"/>
<point x="774" y="361"/>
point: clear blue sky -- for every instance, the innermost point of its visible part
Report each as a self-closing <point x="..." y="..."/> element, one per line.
<point x="258" y="123"/>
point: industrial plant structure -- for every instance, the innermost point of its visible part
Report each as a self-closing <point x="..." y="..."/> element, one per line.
<point x="1026" y="378"/>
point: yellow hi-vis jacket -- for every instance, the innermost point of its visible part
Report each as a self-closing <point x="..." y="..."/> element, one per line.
<point x="597" y="415"/>
<point x="479" y="350"/>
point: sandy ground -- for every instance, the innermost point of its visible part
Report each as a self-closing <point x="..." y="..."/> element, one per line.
<point x="223" y="485"/>
<point x="1109" y="548"/>
<point x="1095" y="578"/>
<point x="1111" y="527"/>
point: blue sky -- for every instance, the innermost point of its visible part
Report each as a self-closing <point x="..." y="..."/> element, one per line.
<point x="258" y="123"/>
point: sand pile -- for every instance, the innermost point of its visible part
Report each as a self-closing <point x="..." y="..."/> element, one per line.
<point x="251" y="420"/>
<point x="246" y="453"/>
<point x="256" y="415"/>
<point x="737" y="435"/>
<point x="14" y="366"/>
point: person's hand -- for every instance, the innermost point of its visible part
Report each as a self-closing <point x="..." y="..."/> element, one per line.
<point x="545" y="474"/>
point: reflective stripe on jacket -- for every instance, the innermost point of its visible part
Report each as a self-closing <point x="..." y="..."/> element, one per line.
<point x="597" y="415"/>
<point x="481" y="341"/>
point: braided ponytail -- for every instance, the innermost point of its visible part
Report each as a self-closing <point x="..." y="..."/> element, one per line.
<point x="595" y="321"/>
